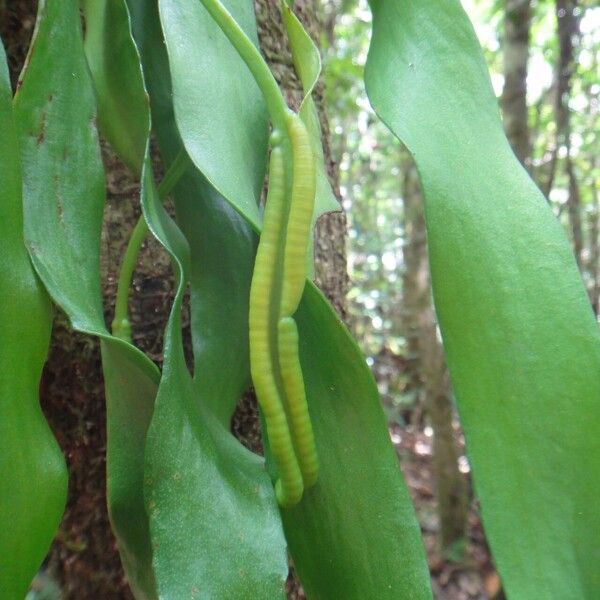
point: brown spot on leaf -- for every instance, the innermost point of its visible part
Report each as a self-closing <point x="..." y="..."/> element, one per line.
<point x="42" y="130"/>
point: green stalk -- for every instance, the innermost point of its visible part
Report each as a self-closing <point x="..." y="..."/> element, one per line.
<point x="121" y="326"/>
<point x="251" y="56"/>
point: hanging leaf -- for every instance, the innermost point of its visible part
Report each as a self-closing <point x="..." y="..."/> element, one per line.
<point x="307" y="62"/>
<point x="211" y="104"/>
<point x="221" y="243"/>
<point x="130" y="384"/>
<point x="115" y="67"/>
<point x="521" y="341"/>
<point x="354" y="535"/>
<point x="212" y="513"/>
<point x="62" y="170"/>
<point x="33" y="476"/>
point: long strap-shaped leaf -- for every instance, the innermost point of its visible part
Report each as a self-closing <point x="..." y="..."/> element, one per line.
<point x="221" y="244"/>
<point x="218" y="145"/>
<point x="522" y="345"/>
<point x="354" y="535"/>
<point x="212" y="516"/>
<point x="33" y="476"/>
<point x="123" y="111"/>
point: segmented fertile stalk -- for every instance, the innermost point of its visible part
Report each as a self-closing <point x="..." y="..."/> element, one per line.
<point x="296" y="245"/>
<point x="289" y="487"/>
<point x="274" y="360"/>
<point x="288" y="422"/>
<point x="293" y="384"/>
<point x="300" y="215"/>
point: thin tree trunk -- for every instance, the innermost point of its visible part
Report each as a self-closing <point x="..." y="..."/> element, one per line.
<point x="568" y="29"/>
<point x="594" y="250"/>
<point x="428" y="367"/>
<point x="517" y="20"/>
<point x="415" y="277"/>
<point x="574" y="212"/>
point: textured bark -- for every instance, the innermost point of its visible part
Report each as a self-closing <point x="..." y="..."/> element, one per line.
<point x="594" y="255"/>
<point x="427" y="365"/>
<point x="84" y="556"/>
<point x="517" y="20"/>
<point x="567" y="21"/>
<point x="415" y="277"/>
<point x="574" y="212"/>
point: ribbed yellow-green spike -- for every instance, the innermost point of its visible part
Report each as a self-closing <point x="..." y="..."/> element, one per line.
<point x="300" y="216"/>
<point x="289" y="487"/>
<point x="293" y="384"/>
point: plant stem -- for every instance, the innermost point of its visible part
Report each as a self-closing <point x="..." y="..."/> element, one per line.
<point x="121" y="326"/>
<point x="251" y="56"/>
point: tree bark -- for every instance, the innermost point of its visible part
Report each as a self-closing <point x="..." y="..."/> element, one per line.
<point x="594" y="246"/>
<point x="428" y="367"/>
<point x="517" y="21"/>
<point x="568" y="31"/>
<point x="574" y="212"/>
<point x="567" y="21"/>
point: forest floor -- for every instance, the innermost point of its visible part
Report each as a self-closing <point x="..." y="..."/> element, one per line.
<point x="469" y="574"/>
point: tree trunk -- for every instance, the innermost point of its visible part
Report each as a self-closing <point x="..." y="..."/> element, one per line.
<point x="567" y="21"/>
<point x="594" y="254"/>
<point x="415" y="277"/>
<point x="574" y="211"/>
<point x="84" y="556"/>
<point x="517" y="20"/>
<point x="428" y="367"/>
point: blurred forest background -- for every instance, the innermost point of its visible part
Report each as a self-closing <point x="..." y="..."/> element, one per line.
<point x="544" y="58"/>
